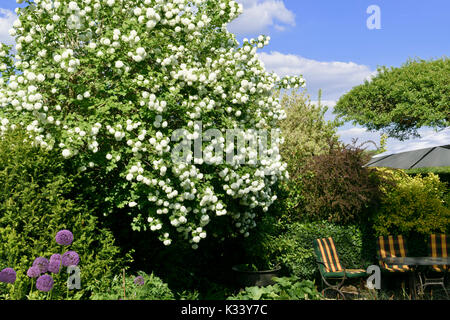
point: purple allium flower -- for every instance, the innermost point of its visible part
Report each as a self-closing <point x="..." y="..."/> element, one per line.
<point x="8" y="275"/>
<point x="55" y="257"/>
<point x="44" y="283"/>
<point x="54" y="266"/>
<point x="33" y="272"/>
<point x="55" y="263"/>
<point x="41" y="263"/>
<point x="70" y="258"/>
<point x="139" y="280"/>
<point x="64" y="237"/>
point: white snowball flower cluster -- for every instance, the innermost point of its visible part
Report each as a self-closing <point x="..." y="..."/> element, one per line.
<point x="110" y="93"/>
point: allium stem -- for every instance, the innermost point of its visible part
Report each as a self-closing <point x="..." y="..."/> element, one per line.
<point x="124" y="295"/>
<point x="31" y="289"/>
<point x="13" y="289"/>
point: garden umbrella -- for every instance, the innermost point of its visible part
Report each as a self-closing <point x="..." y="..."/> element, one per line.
<point x="438" y="156"/>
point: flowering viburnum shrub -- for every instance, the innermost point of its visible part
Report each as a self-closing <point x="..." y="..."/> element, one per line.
<point x="107" y="82"/>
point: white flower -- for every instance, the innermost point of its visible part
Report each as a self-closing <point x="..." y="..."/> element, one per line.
<point x="17" y="23"/>
<point x="109" y="156"/>
<point x="119" y="64"/>
<point x="140" y="51"/>
<point x="66" y="153"/>
<point x="31" y="76"/>
<point x="137" y="11"/>
<point x="132" y="204"/>
<point x="73" y="5"/>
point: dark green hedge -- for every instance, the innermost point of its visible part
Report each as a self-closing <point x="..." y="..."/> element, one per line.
<point x="442" y="172"/>
<point x="36" y="201"/>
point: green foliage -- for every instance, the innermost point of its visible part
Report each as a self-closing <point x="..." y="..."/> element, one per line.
<point x="187" y="295"/>
<point x="415" y="204"/>
<point x="383" y="141"/>
<point x="442" y="172"/>
<point x="305" y="131"/>
<point x="259" y="250"/>
<point x="401" y="100"/>
<point x="152" y="289"/>
<point x="306" y="134"/>
<point x="294" y="248"/>
<point x="327" y="180"/>
<point x="286" y="288"/>
<point x="337" y="188"/>
<point x="254" y="267"/>
<point x="36" y="201"/>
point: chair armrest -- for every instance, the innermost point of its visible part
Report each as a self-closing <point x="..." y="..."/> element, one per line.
<point x="317" y="261"/>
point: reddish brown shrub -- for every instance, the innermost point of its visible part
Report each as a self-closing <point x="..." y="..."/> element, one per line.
<point x="336" y="186"/>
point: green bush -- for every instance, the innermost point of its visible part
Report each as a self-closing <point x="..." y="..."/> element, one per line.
<point x="414" y="205"/>
<point x="286" y="288"/>
<point x="153" y="288"/>
<point x="306" y="134"/>
<point x="294" y="248"/>
<point x="442" y="172"/>
<point x="36" y="201"/>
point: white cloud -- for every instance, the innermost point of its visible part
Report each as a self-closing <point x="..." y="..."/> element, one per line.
<point x="7" y="18"/>
<point x="371" y="140"/>
<point x="428" y="138"/>
<point x="352" y="132"/>
<point x="259" y="15"/>
<point x="334" y="77"/>
<point x="328" y="116"/>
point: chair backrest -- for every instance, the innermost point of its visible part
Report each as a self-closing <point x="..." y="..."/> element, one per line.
<point x="326" y="253"/>
<point x="438" y="246"/>
<point x="392" y="246"/>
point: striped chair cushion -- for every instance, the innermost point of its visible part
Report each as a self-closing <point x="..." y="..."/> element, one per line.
<point x="331" y="267"/>
<point x="392" y="246"/>
<point x="438" y="246"/>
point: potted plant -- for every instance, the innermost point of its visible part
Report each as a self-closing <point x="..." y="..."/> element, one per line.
<point x="258" y="260"/>
<point x="250" y="275"/>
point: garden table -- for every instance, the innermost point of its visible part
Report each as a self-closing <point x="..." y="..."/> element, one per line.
<point x="417" y="261"/>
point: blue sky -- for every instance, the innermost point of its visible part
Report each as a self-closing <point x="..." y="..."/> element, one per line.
<point x="329" y="42"/>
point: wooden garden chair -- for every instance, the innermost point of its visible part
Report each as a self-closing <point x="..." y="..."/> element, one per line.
<point x="330" y="267"/>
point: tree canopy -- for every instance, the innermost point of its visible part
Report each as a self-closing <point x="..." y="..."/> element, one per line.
<point x="399" y="101"/>
<point x="305" y="131"/>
